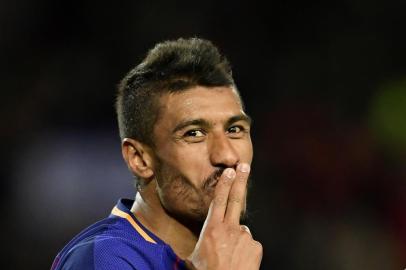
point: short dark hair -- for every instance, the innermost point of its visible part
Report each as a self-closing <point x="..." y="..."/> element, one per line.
<point x="170" y="66"/>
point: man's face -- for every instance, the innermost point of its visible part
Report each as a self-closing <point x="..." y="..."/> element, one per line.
<point x="200" y="132"/>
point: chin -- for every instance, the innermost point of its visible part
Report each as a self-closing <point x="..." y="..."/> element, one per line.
<point x="198" y="212"/>
<point x="192" y="219"/>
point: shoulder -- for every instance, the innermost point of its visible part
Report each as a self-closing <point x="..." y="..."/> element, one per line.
<point x="105" y="253"/>
<point x="117" y="252"/>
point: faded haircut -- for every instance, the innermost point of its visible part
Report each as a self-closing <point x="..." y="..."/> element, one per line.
<point x="171" y="66"/>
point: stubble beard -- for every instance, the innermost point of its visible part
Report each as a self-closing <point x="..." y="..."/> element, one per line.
<point x="184" y="201"/>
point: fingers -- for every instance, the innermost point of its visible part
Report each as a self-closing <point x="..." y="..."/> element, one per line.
<point x="236" y="197"/>
<point x="219" y="204"/>
<point x="229" y="195"/>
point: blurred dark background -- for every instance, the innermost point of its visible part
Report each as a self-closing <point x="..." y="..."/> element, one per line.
<point x="325" y="83"/>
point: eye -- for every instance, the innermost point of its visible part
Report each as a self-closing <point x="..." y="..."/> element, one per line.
<point x="194" y="133"/>
<point x="236" y="132"/>
<point x="235" y="129"/>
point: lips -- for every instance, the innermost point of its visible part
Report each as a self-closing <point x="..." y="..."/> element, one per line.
<point x="213" y="179"/>
<point x="214" y="182"/>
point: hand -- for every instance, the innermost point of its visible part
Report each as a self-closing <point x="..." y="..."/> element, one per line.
<point x="224" y="244"/>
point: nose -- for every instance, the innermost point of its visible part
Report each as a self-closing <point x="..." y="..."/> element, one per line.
<point x="222" y="152"/>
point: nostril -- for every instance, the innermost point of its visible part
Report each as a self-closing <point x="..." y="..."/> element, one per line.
<point x="222" y="152"/>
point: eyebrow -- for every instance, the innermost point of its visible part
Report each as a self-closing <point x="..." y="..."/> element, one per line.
<point x="204" y="123"/>
<point x="192" y="122"/>
<point x="240" y="117"/>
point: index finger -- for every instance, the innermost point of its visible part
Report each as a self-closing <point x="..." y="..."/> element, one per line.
<point x="219" y="204"/>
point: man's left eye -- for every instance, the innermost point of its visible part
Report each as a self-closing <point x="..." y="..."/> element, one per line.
<point x="235" y="129"/>
<point x="194" y="133"/>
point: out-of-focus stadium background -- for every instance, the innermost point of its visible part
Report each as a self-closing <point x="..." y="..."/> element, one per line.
<point x="325" y="83"/>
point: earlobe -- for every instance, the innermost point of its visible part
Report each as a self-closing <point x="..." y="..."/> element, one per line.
<point x="138" y="158"/>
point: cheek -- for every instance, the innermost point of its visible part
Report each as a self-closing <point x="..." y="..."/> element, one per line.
<point x="179" y="197"/>
<point x="245" y="150"/>
<point x="250" y="152"/>
<point x="171" y="184"/>
<point x="188" y="161"/>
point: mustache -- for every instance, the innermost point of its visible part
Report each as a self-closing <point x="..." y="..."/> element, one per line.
<point x="213" y="178"/>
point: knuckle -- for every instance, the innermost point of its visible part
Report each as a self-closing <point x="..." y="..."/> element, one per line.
<point x="232" y="230"/>
<point x="220" y="201"/>
<point x="211" y="233"/>
<point x="235" y="199"/>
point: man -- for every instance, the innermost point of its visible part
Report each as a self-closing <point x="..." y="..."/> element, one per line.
<point x="186" y="139"/>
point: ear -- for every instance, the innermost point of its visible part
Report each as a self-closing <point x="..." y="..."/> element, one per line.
<point x="138" y="157"/>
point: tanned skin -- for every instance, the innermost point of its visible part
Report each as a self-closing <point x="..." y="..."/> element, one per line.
<point x="194" y="179"/>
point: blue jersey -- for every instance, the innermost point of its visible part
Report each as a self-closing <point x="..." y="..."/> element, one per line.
<point x="117" y="242"/>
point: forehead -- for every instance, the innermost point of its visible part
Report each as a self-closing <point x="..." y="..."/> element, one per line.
<point x="210" y="103"/>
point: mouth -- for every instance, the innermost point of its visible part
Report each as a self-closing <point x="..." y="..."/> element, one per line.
<point x="213" y="183"/>
<point x="213" y="180"/>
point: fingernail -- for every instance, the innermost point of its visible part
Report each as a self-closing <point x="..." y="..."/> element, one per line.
<point x="229" y="173"/>
<point x="245" y="228"/>
<point x="244" y="167"/>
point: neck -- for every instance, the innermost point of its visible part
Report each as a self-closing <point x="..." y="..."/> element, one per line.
<point x="150" y="212"/>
